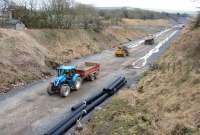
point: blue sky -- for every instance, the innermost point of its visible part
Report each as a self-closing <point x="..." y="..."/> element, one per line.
<point x="166" y="5"/>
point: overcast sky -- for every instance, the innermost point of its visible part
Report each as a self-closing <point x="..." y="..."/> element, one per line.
<point x="173" y="5"/>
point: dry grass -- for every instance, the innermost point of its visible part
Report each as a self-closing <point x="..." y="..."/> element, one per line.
<point x="123" y="34"/>
<point x="21" y="58"/>
<point x="167" y="101"/>
<point x="156" y="22"/>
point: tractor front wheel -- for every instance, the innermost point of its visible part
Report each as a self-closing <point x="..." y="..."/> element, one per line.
<point x="50" y="90"/>
<point x="65" y="91"/>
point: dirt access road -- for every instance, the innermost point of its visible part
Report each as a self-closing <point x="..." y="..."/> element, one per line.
<point x="31" y="111"/>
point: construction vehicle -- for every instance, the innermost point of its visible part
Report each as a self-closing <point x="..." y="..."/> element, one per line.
<point x="71" y="78"/>
<point x="121" y="51"/>
<point x="149" y="40"/>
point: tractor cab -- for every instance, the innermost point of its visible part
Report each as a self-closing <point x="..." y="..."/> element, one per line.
<point x="67" y="71"/>
<point x="65" y="74"/>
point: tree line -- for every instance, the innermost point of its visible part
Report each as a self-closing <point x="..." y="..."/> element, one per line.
<point x="62" y="14"/>
<point x="55" y="14"/>
<point x="118" y="14"/>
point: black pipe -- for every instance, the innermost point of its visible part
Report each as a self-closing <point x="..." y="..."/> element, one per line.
<point x="115" y="86"/>
<point x="120" y="86"/>
<point x="50" y="132"/>
<point x="88" y="101"/>
<point x="75" y="107"/>
<point x="116" y="89"/>
<point x="114" y="82"/>
<point x="120" y="81"/>
<point x="81" y="114"/>
<point x="93" y="98"/>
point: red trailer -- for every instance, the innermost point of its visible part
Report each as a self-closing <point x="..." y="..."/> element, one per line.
<point x="88" y="70"/>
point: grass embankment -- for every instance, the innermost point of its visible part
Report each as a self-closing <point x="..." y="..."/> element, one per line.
<point x="167" y="99"/>
<point x="28" y="55"/>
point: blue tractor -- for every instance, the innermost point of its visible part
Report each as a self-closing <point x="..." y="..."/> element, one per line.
<point x="67" y="79"/>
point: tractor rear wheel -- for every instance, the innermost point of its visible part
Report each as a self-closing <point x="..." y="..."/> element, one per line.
<point x="65" y="90"/>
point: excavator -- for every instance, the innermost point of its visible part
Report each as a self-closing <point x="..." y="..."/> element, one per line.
<point x="121" y="51"/>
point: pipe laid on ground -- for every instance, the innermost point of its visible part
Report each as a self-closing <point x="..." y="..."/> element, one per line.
<point x="113" y="86"/>
<point x="116" y="85"/>
<point x="120" y="85"/>
<point x="54" y="129"/>
<point x="91" y="99"/>
<point x="88" y="101"/>
<point x="73" y="108"/>
<point x="81" y="114"/>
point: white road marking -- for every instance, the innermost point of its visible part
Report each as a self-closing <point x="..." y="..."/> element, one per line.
<point x="151" y="52"/>
<point x="162" y="32"/>
<point x="133" y="45"/>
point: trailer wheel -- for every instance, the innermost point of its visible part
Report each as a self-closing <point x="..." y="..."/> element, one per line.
<point x="78" y="83"/>
<point x="65" y="90"/>
<point x="49" y="90"/>
<point x="95" y="75"/>
<point x="92" y="77"/>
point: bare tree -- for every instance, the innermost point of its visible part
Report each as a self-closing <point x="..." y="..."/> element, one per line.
<point x="197" y="21"/>
<point x="33" y="5"/>
<point x="4" y="4"/>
